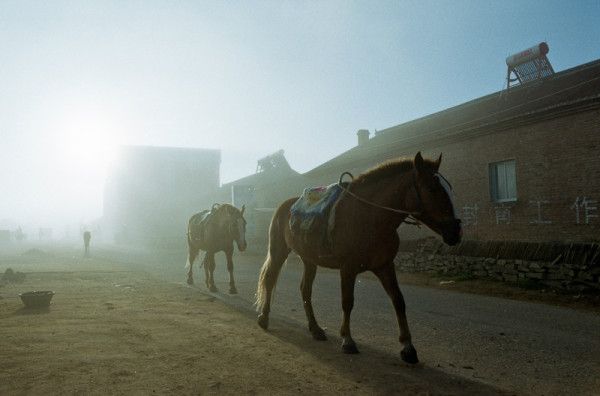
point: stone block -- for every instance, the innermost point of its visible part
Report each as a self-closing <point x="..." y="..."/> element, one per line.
<point x="584" y="276"/>
<point x="535" y="266"/>
<point x="524" y="267"/>
<point x="510" y="278"/>
<point x="535" y="275"/>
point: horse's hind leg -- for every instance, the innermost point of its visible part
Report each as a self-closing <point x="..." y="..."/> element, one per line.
<point x="278" y="252"/>
<point x="229" y="256"/>
<point x="310" y="270"/>
<point x="348" y="279"/>
<point x="387" y="276"/>
<point x="192" y="254"/>
<point x="266" y="283"/>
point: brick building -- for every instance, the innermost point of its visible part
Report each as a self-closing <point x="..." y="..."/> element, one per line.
<point x="152" y="191"/>
<point x="524" y="162"/>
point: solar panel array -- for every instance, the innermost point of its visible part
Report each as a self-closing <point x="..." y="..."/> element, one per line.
<point x="533" y="70"/>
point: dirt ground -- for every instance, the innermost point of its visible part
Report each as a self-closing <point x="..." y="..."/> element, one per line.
<point x="111" y="330"/>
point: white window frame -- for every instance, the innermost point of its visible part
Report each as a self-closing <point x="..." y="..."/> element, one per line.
<point x="504" y="172"/>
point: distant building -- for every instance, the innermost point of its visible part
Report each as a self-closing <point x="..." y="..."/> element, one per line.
<point x="151" y="192"/>
<point x="273" y="182"/>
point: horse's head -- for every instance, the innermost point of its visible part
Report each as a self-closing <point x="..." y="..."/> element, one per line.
<point x="237" y="227"/>
<point x="434" y="200"/>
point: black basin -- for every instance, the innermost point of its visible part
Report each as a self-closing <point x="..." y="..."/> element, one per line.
<point x="36" y="299"/>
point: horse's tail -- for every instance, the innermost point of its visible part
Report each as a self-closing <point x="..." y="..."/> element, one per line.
<point x="277" y="253"/>
<point x="267" y="271"/>
<point x="188" y="265"/>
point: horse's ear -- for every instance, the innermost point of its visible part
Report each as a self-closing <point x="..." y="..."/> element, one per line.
<point x="419" y="162"/>
<point x="437" y="163"/>
<point x="243" y="208"/>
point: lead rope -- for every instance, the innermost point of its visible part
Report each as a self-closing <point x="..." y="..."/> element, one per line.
<point x="411" y="220"/>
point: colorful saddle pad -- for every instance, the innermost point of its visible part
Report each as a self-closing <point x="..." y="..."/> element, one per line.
<point x="312" y="215"/>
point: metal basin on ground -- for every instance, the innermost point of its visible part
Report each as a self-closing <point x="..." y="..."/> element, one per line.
<point x="37" y="299"/>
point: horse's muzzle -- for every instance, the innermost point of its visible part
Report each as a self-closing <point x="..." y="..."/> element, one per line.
<point x="452" y="232"/>
<point x="242" y="246"/>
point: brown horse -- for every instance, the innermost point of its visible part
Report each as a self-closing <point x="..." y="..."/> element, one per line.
<point x="364" y="238"/>
<point x="214" y="231"/>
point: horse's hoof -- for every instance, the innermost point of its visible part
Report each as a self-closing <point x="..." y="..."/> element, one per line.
<point x="349" y="347"/>
<point x="409" y="355"/>
<point x="263" y="321"/>
<point x="319" y="334"/>
<point x="190" y="281"/>
<point x="213" y="289"/>
<point x="232" y="290"/>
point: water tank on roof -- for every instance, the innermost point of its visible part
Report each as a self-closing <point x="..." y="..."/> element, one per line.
<point x="527" y="55"/>
<point x="528" y="65"/>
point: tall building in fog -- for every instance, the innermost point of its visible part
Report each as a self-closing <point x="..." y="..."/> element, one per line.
<point x="151" y="192"/>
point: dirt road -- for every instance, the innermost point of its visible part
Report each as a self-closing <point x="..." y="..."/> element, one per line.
<point x="115" y="330"/>
<point x="518" y="346"/>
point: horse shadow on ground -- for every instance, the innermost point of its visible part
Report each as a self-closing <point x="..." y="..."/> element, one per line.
<point x="32" y="311"/>
<point x="384" y="373"/>
<point x="378" y="371"/>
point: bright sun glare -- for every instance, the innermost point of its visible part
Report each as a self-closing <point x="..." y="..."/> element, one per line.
<point x="89" y="141"/>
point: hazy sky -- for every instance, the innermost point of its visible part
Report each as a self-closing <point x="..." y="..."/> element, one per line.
<point x="247" y="77"/>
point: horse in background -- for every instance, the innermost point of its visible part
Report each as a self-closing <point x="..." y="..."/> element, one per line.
<point x="215" y="231"/>
<point x="364" y="238"/>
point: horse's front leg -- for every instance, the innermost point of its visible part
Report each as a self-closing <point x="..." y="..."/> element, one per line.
<point x="229" y="255"/>
<point x="310" y="270"/>
<point x="348" y="279"/>
<point x="387" y="276"/>
<point x="206" y="270"/>
<point x="209" y="267"/>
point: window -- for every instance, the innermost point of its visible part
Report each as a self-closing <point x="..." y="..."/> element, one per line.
<point x="503" y="181"/>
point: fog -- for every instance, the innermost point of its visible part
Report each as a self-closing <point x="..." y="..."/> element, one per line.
<point x="80" y="79"/>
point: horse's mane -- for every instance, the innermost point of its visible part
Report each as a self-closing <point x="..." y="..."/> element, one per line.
<point x="387" y="169"/>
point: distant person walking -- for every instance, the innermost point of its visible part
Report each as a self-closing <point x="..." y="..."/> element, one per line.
<point x="86" y="242"/>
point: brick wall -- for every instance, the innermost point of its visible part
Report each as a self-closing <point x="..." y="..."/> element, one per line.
<point x="557" y="171"/>
<point x="557" y="174"/>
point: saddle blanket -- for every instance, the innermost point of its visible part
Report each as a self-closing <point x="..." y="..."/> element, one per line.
<point x="312" y="215"/>
<point x="201" y="218"/>
<point x="198" y="223"/>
